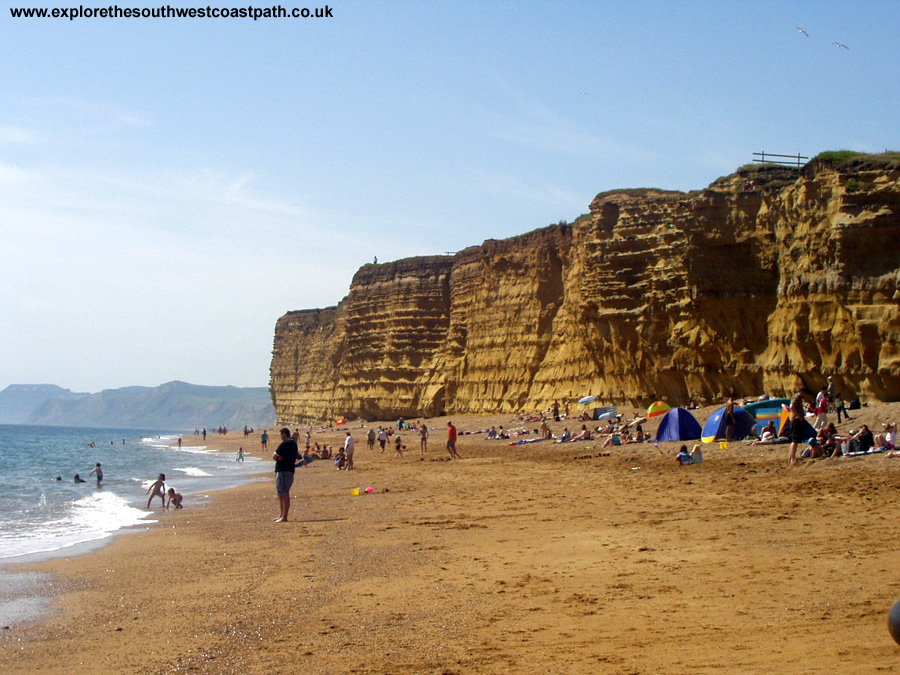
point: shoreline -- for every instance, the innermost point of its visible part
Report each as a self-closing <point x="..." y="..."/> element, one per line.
<point x="23" y="598"/>
<point x="558" y="556"/>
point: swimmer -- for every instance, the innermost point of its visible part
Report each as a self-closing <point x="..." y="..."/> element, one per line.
<point x="157" y="488"/>
<point x="78" y="479"/>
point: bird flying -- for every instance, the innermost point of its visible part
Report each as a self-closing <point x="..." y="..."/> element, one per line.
<point x="802" y="31"/>
<point x="840" y="44"/>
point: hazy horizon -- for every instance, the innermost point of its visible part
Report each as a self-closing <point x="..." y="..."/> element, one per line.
<point x="171" y="187"/>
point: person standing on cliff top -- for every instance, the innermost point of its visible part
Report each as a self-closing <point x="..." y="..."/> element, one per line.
<point x="451" y="441"/>
<point x="798" y="417"/>
<point x="286" y="457"/>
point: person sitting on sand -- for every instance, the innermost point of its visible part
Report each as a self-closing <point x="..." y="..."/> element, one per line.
<point x="174" y="497"/>
<point x="157" y="489"/>
<point x="886" y="439"/>
<point x="502" y="433"/>
<point x="768" y="435"/>
<point x="696" y="454"/>
<point x="585" y="434"/>
<point x="340" y="459"/>
<point x="566" y="435"/>
<point x="491" y="434"/>
<point x="814" y="451"/>
<point x="684" y="457"/>
<point x="612" y="439"/>
<point x="639" y="434"/>
<point x="862" y="441"/>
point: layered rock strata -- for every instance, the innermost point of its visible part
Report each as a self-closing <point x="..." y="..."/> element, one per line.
<point x="764" y="280"/>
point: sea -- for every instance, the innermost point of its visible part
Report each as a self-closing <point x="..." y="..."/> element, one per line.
<point x="44" y="512"/>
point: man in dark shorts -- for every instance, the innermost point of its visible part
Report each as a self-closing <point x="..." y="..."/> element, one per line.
<point x="798" y="417"/>
<point x="286" y="457"/>
<point x="451" y="441"/>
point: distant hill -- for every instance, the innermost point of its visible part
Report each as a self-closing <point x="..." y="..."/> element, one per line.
<point x="174" y="405"/>
<point x="18" y="401"/>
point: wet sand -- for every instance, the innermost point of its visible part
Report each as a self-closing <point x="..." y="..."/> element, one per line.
<point x="564" y="558"/>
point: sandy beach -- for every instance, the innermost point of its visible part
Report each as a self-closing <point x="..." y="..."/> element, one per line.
<point x="542" y="558"/>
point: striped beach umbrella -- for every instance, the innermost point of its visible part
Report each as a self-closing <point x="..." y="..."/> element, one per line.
<point x="658" y="408"/>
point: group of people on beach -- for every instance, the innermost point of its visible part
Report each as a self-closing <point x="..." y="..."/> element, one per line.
<point x="158" y="489"/>
<point x="287" y="455"/>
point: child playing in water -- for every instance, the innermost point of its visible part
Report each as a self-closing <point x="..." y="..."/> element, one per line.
<point x="97" y="472"/>
<point x="174" y="497"/>
<point x="157" y="488"/>
<point x="240" y="454"/>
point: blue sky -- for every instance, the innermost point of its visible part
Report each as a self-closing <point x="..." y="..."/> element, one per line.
<point x="170" y="187"/>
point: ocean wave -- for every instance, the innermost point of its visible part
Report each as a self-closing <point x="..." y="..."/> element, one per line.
<point x="93" y="517"/>
<point x="192" y="471"/>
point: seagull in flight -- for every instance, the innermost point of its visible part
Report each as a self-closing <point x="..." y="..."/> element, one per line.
<point x="802" y="31"/>
<point x="841" y="44"/>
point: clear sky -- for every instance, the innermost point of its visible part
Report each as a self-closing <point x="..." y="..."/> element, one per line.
<point x="170" y="187"/>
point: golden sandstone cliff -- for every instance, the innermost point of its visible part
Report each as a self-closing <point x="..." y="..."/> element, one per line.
<point x="768" y="278"/>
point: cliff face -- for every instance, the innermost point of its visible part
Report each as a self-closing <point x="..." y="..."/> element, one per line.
<point x="762" y="281"/>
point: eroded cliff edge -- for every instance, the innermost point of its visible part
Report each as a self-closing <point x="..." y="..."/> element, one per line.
<point x="765" y="279"/>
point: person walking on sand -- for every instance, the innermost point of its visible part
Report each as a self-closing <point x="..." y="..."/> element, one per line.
<point x="451" y="441"/>
<point x="98" y="471"/>
<point x="286" y="456"/>
<point x="157" y="489"/>
<point x="798" y="417"/>
<point x="349" y="444"/>
<point x="423" y="439"/>
<point x="370" y="439"/>
<point x="399" y="447"/>
<point x="264" y="440"/>
<point x="382" y="438"/>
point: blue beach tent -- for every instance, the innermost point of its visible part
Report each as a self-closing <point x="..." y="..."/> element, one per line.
<point x="678" y="425"/>
<point x="715" y="425"/>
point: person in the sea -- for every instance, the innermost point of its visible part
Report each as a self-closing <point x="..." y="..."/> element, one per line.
<point x="174" y="497"/>
<point x="98" y="471"/>
<point x="78" y="479"/>
<point x="240" y="454"/>
<point x="157" y="489"/>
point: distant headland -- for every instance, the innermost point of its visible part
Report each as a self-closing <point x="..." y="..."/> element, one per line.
<point x="173" y="405"/>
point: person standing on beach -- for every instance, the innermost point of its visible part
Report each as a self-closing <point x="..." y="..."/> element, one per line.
<point x="382" y="438"/>
<point x="157" y="488"/>
<point x="349" y="443"/>
<point x="286" y="456"/>
<point x="451" y="441"/>
<point x="798" y="417"/>
<point x="264" y="439"/>
<point x="423" y="439"/>
<point x="370" y="439"/>
<point x="729" y="418"/>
